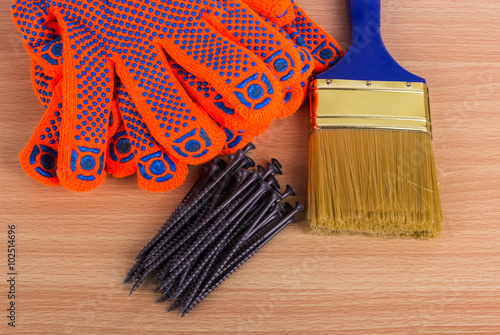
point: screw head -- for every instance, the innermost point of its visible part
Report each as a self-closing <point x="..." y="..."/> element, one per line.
<point x="276" y="162"/>
<point x="248" y="147"/>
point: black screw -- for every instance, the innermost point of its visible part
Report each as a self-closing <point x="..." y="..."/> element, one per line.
<point x="250" y="252"/>
<point x="227" y="216"/>
<point x="208" y="172"/>
<point x="277" y="163"/>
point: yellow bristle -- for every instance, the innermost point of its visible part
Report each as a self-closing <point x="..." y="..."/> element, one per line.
<point x="375" y="182"/>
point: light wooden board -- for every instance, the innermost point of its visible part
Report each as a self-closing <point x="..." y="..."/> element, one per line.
<point x="75" y="249"/>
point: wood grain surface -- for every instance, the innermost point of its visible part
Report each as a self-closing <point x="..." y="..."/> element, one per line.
<point x="73" y="250"/>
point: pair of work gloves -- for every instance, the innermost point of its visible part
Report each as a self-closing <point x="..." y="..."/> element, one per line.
<point x="154" y="86"/>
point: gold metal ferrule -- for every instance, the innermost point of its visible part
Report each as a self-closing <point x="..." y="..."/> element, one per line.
<point x="370" y="105"/>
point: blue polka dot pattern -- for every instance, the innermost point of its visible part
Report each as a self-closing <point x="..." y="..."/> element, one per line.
<point x="283" y="64"/>
<point x="40" y="157"/>
<point x="216" y="105"/>
<point x="41" y="84"/>
<point x="225" y="41"/>
<point x="157" y="166"/>
<point x="306" y="59"/>
<point x="31" y="18"/>
<point x="52" y="52"/>
<point x="120" y="148"/>
<point x="48" y="160"/>
<point x="308" y="34"/>
<point x="157" y="171"/>
<point x="87" y="163"/>
<point x="261" y="37"/>
<point x="43" y="159"/>
<point x="136" y="131"/>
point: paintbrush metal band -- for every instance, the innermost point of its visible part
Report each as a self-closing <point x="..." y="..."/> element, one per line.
<point x="370" y="105"/>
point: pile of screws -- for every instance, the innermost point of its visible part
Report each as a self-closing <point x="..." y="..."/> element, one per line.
<point x="228" y="215"/>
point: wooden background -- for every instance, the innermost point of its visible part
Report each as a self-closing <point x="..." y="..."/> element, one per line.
<point x="75" y="249"/>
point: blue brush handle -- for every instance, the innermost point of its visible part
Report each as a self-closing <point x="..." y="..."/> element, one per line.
<point x="367" y="58"/>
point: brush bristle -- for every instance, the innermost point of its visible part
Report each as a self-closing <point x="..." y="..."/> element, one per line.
<point x="376" y="182"/>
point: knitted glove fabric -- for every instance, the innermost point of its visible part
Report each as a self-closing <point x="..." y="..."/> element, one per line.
<point x="102" y="44"/>
<point x="306" y="33"/>
<point x="232" y="18"/>
<point x="238" y="130"/>
<point x="131" y="148"/>
<point x="39" y="158"/>
<point x="300" y="27"/>
<point x="199" y="90"/>
<point x="278" y="11"/>
<point x="318" y="50"/>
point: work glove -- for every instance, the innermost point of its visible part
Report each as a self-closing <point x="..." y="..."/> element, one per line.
<point x="207" y="96"/>
<point x="102" y="38"/>
<point x="131" y="146"/>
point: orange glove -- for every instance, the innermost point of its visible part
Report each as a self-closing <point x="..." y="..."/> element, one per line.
<point x="131" y="148"/>
<point x="134" y="149"/>
<point x="98" y="44"/>
<point x="201" y="91"/>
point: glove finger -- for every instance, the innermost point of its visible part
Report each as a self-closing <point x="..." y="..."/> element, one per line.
<point x="239" y="132"/>
<point x="120" y="159"/>
<point x="186" y="131"/>
<point x="279" y="11"/>
<point x="39" y="157"/>
<point x="87" y="84"/>
<point x="40" y="33"/>
<point x="44" y="78"/>
<point x="245" y="27"/>
<point x="157" y="170"/>
<point x="215" y="105"/>
<point x="43" y="84"/>
<point x="325" y="51"/>
<point x="274" y="49"/>
<point x="232" y="70"/>
<point x="56" y="60"/>
<point x="50" y="47"/>
<point x="296" y="94"/>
